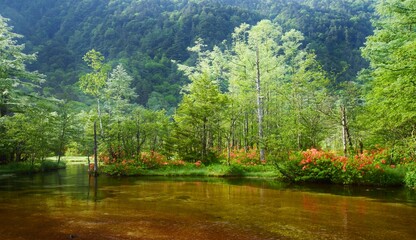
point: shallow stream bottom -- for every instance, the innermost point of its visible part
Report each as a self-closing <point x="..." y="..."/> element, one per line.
<point x="70" y="205"/>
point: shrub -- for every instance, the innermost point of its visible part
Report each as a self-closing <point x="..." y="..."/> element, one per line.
<point x="51" y="165"/>
<point x="410" y="178"/>
<point x="152" y="160"/>
<point x="249" y="157"/>
<point x="319" y="166"/>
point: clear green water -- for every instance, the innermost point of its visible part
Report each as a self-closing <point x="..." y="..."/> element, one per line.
<point x="69" y="204"/>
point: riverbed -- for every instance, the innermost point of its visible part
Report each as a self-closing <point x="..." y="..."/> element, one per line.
<point x="71" y="205"/>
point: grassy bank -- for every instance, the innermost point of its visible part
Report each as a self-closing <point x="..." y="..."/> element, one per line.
<point x="28" y="167"/>
<point x="214" y="170"/>
<point x="378" y="167"/>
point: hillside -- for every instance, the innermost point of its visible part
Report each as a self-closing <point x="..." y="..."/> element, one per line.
<point x="145" y="35"/>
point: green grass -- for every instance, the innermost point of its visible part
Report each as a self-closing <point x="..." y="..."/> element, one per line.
<point x="215" y="170"/>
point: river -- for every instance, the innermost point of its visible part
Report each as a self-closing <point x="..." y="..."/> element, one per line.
<point x="70" y="205"/>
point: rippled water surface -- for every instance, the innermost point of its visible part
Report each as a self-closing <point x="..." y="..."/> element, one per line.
<point x="70" y="205"/>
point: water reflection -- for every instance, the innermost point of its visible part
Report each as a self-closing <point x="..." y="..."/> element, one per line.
<point x="71" y="203"/>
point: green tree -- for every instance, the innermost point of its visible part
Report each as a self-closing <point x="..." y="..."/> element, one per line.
<point x="93" y="83"/>
<point x="16" y="83"/>
<point x="391" y="52"/>
<point x="117" y="97"/>
<point x="271" y="75"/>
<point x="118" y="92"/>
<point x="15" y="80"/>
<point x="66" y="124"/>
<point x="255" y="67"/>
<point x="275" y="93"/>
<point x="150" y="129"/>
<point x="198" y="118"/>
<point x="32" y="134"/>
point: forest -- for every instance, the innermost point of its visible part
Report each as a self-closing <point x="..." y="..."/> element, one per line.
<point x="318" y="90"/>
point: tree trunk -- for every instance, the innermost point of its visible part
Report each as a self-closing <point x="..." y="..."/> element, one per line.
<point x="246" y="132"/>
<point x="204" y="140"/>
<point x="62" y="143"/>
<point x="346" y="137"/>
<point x="99" y="117"/>
<point x="95" y="173"/>
<point x="259" y="107"/>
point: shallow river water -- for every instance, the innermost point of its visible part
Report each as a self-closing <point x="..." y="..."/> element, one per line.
<point x="70" y="205"/>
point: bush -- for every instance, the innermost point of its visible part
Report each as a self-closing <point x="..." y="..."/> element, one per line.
<point x="243" y="157"/>
<point x="153" y="160"/>
<point x="410" y="178"/>
<point x="51" y="165"/>
<point x="370" y="168"/>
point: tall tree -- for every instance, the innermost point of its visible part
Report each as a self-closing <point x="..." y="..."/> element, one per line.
<point x="118" y="91"/>
<point x="118" y="94"/>
<point x="15" y="80"/>
<point x="255" y="52"/>
<point x="391" y="52"/>
<point x="93" y="83"/>
<point x="199" y="115"/>
<point x="16" y="83"/>
<point x="271" y="73"/>
<point x="198" y="118"/>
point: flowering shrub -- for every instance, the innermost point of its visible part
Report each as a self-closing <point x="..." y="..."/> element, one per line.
<point x="177" y="163"/>
<point x="320" y="166"/>
<point x="241" y="156"/>
<point x="153" y="160"/>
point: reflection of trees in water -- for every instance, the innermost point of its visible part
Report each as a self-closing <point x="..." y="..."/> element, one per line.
<point x="92" y="184"/>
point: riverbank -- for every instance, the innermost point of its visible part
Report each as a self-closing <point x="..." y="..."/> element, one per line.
<point x="70" y="204"/>
<point x="195" y="170"/>
<point x="28" y="167"/>
<point x="370" y="168"/>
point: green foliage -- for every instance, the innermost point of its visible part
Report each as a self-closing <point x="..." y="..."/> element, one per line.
<point x="146" y="34"/>
<point x="27" y="167"/>
<point x="28" y="123"/>
<point x="261" y="86"/>
<point x="32" y="135"/>
<point x="198" y="117"/>
<point x="118" y="91"/>
<point x="391" y="112"/>
<point x="410" y="178"/>
<point x="92" y="83"/>
<point x="15" y="81"/>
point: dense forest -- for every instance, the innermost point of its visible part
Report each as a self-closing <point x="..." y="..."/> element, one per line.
<point x="146" y="35"/>
<point x="202" y="81"/>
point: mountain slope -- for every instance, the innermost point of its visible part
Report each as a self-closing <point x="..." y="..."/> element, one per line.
<point x="146" y="34"/>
